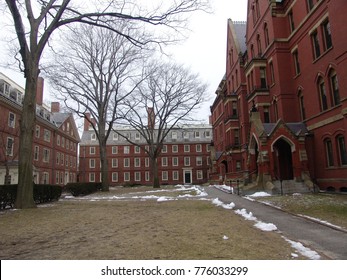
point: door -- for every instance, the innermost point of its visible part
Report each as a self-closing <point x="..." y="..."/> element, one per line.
<point x="187" y="176"/>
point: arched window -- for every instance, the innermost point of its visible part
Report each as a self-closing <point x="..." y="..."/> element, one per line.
<point x="266" y="35"/>
<point x="259" y="46"/>
<point x="322" y="95"/>
<point x="302" y="105"/>
<point x="341" y="145"/>
<point x="329" y="152"/>
<point x="334" y="87"/>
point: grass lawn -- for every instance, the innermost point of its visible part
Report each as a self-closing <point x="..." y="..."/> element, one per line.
<point x="328" y="207"/>
<point x="102" y="227"/>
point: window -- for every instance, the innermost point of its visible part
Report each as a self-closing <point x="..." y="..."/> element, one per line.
<point x="11" y="120"/>
<point x="174" y="134"/>
<point x="272" y="73"/>
<point x="164" y="175"/>
<point x="341" y="144"/>
<point x="114" y="162"/>
<point x="93" y="137"/>
<point x="91" y="177"/>
<point x="45" y="155"/>
<point x="185" y="134"/>
<point x="199" y="174"/>
<point x="316" y="45"/>
<point x="37" y="152"/>
<point x="329" y="152"/>
<point x="147" y="162"/>
<point x="91" y="163"/>
<point x="174" y="149"/>
<point x="37" y="131"/>
<point x="114" y="176"/>
<point x="164" y="149"/>
<point x="238" y="165"/>
<point x="62" y="159"/>
<point x="186" y="148"/>
<point x="137" y="136"/>
<point x="47" y="135"/>
<point x="147" y="176"/>
<point x="302" y="105"/>
<point x="137" y="176"/>
<point x="198" y="148"/>
<point x="137" y="162"/>
<point x="236" y="137"/>
<point x="259" y="46"/>
<point x="296" y="62"/>
<point x="198" y="161"/>
<point x="126" y="162"/>
<point x="263" y="83"/>
<point x="175" y="161"/>
<point x="164" y="161"/>
<point x="9" y="146"/>
<point x="234" y="109"/>
<point x="126" y="176"/>
<point x="63" y="142"/>
<point x="322" y="95"/>
<point x="45" y="178"/>
<point x="309" y="4"/>
<point x="175" y="175"/>
<point x="58" y="140"/>
<point x="208" y="134"/>
<point x="197" y="134"/>
<point x="327" y="35"/>
<point x="137" y="149"/>
<point x="126" y="149"/>
<point x="291" y="21"/>
<point x="114" y="150"/>
<point x="115" y="136"/>
<point x="186" y="161"/>
<point x="335" y="88"/>
<point x="266" y="35"/>
<point x="266" y="115"/>
<point x="92" y="150"/>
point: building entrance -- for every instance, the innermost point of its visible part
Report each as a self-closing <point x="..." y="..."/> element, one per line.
<point x="283" y="160"/>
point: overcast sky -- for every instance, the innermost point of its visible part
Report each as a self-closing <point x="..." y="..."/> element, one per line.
<point x="204" y="51"/>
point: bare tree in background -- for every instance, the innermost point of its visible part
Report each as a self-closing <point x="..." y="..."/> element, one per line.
<point x="35" y="22"/>
<point x="93" y="73"/>
<point x="167" y="98"/>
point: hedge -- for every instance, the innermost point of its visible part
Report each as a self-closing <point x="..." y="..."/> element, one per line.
<point x="80" y="189"/>
<point x="42" y="193"/>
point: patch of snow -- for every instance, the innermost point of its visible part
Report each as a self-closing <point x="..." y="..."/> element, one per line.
<point x="259" y="194"/>
<point x="225" y="237"/>
<point x="294" y="255"/>
<point x="265" y="226"/>
<point x="248" y="216"/>
<point x="217" y="202"/>
<point x="165" y="198"/>
<point x="225" y="188"/>
<point x="312" y="255"/>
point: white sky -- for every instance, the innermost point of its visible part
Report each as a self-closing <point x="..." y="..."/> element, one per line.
<point x="204" y="51"/>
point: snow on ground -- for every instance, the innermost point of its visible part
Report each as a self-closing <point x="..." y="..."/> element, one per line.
<point x="312" y="255"/>
<point x="224" y="188"/>
<point x="217" y="202"/>
<point x="259" y="194"/>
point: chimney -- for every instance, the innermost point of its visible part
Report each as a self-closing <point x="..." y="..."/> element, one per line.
<point x="151" y="117"/>
<point x="86" y="122"/>
<point x="39" y="91"/>
<point x="55" y="107"/>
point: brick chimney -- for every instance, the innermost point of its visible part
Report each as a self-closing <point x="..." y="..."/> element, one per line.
<point x="151" y="117"/>
<point x="55" y="107"/>
<point x="86" y="122"/>
<point x="39" y="91"/>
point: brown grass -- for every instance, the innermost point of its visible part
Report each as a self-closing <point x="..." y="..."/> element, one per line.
<point x="328" y="207"/>
<point x="129" y="229"/>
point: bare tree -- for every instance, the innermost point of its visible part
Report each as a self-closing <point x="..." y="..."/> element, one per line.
<point x="167" y="98"/>
<point x="42" y="18"/>
<point x="92" y="74"/>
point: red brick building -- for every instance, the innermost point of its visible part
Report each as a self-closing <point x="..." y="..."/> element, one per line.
<point x="55" y="138"/>
<point x="280" y="112"/>
<point x="184" y="158"/>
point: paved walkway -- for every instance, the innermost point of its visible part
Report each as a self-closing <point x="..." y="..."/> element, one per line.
<point x="321" y="238"/>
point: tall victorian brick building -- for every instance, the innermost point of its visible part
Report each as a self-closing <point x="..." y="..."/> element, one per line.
<point x="280" y="114"/>
<point x="55" y="138"/>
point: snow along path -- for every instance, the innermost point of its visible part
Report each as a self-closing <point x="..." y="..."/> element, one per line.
<point x="332" y="243"/>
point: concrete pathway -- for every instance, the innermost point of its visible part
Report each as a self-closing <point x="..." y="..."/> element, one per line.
<point x="321" y="238"/>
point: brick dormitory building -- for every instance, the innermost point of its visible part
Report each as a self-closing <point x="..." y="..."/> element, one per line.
<point x="56" y="138"/>
<point x="280" y="113"/>
<point x="184" y="157"/>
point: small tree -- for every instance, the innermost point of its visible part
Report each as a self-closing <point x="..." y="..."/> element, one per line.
<point x="168" y="97"/>
<point x="92" y="74"/>
<point x="41" y="19"/>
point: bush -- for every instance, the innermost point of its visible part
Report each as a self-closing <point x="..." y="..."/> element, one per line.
<point x="42" y="193"/>
<point x="81" y="189"/>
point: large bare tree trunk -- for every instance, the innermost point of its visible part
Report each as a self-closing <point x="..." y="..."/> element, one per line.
<point x="25" y="197"/>
<point x="155" y="172"/>
<point x="104" y="167"/>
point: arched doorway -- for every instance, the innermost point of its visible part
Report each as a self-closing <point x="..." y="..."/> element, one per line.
<point x="283" y="160"/>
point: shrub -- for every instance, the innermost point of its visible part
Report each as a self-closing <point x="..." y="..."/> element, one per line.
<point x="80" y="189"/>
<point x="42" y="193"/>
